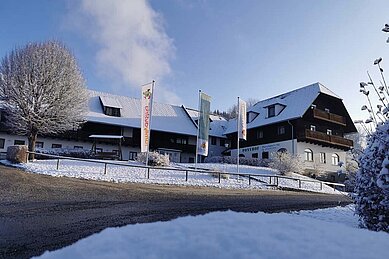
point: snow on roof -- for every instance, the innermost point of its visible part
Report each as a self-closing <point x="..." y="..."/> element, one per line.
<point x="218" y="124"/>
<point x="109" y="101"/>
<point x="166" y="117"/>
<point x="296" y="103"/>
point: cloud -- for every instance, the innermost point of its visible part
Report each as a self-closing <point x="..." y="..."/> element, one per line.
<point x="133" y="47"/>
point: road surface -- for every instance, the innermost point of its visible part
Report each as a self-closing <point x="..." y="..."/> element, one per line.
<point x="39" y="212"/>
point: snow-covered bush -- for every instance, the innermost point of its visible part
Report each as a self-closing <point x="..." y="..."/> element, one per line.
<point x="69" y="152"/>
<point x="155" y="159"/>
<point x="232" y="160"/>
<point x="372" y="182"/>
<point x="286" y="163"/>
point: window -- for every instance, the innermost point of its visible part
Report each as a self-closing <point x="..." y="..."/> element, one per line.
<point x="191" y="160"/>
<point x="56" y="146"/>
<point x="19" y="142"/>
<point x="213" y="140"/>
<point x="271" y="111"/>
<point x="259" y="134"/>
<point x="281" y="130"/>
<point x="335" y="159"/>
<point x="265" y="155"/>
<point x="322" y="157"/>
<point x="133" y="155"/>
<point x="81" y="147"/>
<point x="38" y="144"/>
<point x="308" y="154"/>
<point x="222" y="142"/>
<point x="2" y="116"/>
<point x="2" y="143"/>
<point x="112" y="111"/>
<point x="313" y="128"/>
<point x="329" y="132"/>
<point x="181" y="141"/>
<point x="255" y="155"/>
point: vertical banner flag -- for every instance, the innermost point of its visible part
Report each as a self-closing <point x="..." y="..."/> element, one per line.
<point x="147" y="102"/>
<point x="203" y="124"/>
<point x="242" y="120"/>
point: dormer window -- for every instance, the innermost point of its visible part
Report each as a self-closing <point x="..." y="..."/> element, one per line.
<point x="111" y="106"/>
<point x="274" y="109"/>
<point x="251" y="116"/>
<point x="271" y="111"/>
<point x="110" y="111"/>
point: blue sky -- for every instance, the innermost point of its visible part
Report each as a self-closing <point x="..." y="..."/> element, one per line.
<point x="251" y="49"/>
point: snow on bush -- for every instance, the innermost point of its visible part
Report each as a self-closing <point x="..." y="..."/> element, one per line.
<point x="286" y="163"/>
<point x="155" y="159"/>
<point x="372" y="181"/>
<point x="69" y="152"/>
<point x="232" y="160"/>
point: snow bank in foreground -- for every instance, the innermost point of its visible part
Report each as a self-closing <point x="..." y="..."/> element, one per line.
<point x="235" y="235"/>
<point x="115" y="173"/>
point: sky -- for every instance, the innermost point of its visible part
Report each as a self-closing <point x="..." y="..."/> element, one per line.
<point x="247" y="48"/>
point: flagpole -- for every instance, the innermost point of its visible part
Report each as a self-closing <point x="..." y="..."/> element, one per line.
<point x="198" y="128"/>
<point x="151" y="116"/>
<point x="238" y="122"/>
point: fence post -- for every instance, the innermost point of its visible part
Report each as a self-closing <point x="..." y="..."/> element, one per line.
<point x="219" y="176"/>
<point x="58" y="164"/>
<point x="321" y="186"/>
<point x="148" y="172"/>
<point x="270" y="180"/>
<point x="186" y="175"/>
<point x="277" y="181"/>
<point x="105" y="168"/>
<point x="249" y="180"/>
<point x="299" y="184"/>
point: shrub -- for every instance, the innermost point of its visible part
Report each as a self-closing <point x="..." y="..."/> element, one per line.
<point x="232" y="160"/>
<point x="69" y="152"/>
<point x="286" y="163"/>
<point x="372" y="182"/>
<point x="155" y="159"/>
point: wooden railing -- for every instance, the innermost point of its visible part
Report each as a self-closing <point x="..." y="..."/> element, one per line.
<point x="330" y="139"/>
<point x="323" y="115"/>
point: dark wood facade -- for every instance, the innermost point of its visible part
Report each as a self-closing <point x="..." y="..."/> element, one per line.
<point x="158" y="139"/>
<point x="324" y="123"/>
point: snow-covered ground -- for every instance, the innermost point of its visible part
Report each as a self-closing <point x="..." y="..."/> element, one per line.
<point x="325" y="233"/>
<point x="116" y="173"/>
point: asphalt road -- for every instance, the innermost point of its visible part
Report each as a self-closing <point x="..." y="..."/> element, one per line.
<point x="39" y="213"/>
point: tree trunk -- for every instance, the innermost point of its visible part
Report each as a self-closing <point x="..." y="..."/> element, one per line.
<point x="31" y="144"/>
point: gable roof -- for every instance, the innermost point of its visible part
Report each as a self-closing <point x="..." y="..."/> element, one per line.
<point x="165" y="117"/>
<point x="218" y="124"/>
<point x="296" y="103"/>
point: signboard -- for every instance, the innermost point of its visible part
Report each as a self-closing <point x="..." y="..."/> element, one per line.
<point x="203" y="124"/>
<point x="147" y="102"/>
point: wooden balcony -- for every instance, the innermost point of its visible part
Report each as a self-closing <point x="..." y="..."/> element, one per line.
<point x="327" y="116"/>
<point x="324" y="138"/>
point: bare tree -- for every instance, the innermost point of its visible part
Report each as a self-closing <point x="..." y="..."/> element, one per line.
<point x="43" y="89"/>
<point x="233" y="110"/>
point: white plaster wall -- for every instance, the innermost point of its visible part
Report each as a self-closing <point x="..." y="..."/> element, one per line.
<point x="316" y="149"/>
<point x="272" y="148"/>
<point x="47" y="143"/>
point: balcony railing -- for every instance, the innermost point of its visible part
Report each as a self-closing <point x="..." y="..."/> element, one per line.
<point x="323" y="115"/>
<point x="322" y="137"/>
